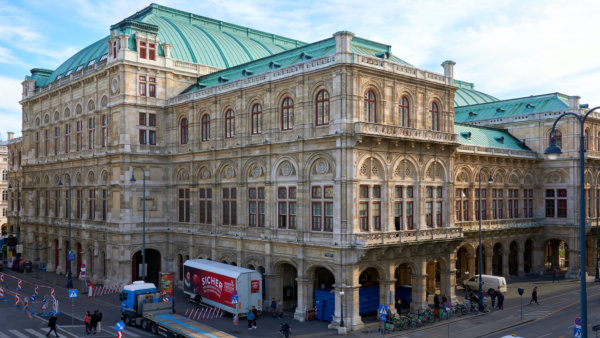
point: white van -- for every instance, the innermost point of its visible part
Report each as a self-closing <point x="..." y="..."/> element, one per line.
<point x="490" y="283"/>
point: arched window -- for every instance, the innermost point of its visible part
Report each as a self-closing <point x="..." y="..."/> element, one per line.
<point x="434" y="116"/>
<point x="586" y="136"/>
<point x="404" y="110"/>
<point x="229" y="123"/>
<point x="205" y="127"/>
<point x="557" y="138"/>
<point x="256" y="118"/>
<point x="322" y="108"/>
<point x="184" y="131"/>
<point x="370" y="106"/>
<point x="287" y="114"/>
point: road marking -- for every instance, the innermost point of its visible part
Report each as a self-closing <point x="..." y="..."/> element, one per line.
<point x="17" y="333"/>
<point x="63" y="331"/>
<point x="35" y="333"/>
<point x="545" y="335"/>
<point x="2" y="335"/>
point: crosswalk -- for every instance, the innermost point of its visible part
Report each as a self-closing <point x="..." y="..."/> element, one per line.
<point x="70" y="332"/>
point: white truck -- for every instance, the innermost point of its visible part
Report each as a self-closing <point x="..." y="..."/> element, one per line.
<point x="222" y="285"/>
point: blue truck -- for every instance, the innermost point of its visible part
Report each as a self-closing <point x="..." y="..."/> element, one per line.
<point x="141" y="305"/>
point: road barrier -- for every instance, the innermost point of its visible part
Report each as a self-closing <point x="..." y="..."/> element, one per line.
<point x="204" y="313"/>
<point x="105" y="290"/>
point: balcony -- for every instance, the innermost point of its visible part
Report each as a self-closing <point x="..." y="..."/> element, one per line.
<point x="406" y="236"/>
<point x="408" y="134"/>
<point x="499" y="224"/>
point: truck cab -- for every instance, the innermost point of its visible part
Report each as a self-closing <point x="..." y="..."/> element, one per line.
<point x="133" y="297"/>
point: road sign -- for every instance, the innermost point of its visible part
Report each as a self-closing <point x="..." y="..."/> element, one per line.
<point x="578" y="321"/>
<point x="383" y="310"/>
<point x="383" y="318"/>
<point x="119" y="326"/>
<point x="120" y="334"/>
<point x="577" y="331"/>
<point x="234" y="300"/>
<point x="235" y="292"/>
<point x="71" y="256"/>
<point x="72" y="293"/>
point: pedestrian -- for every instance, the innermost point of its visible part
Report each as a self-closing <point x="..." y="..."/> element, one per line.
<point x="98" y="326"/>
<point x="436" y="303"/>
<point x="554" y="275"/>
<point x="52" y="324"/>
<point x="534" y="296"/>
<point x="273" y="308"/>
<point x="251" y="320"/>
<point x="255" y="312"/>
<point x="87" y="322"/>
<point x="285" y="329"/>
<point x="94" y="322"/>
<point x="444" y="299"/>
<point x="399" y="306"/>
<point x="500" y="301"/>
<point x="493" y="297"/>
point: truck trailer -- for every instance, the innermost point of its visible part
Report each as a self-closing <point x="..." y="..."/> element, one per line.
<point x="217" y="284"/>
<point x="141" y="305"/>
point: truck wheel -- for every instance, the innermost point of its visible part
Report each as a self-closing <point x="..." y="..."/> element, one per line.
<point x="154" y="328"/>
<point x="126" y="319"/>
<point x="145" y="325"/>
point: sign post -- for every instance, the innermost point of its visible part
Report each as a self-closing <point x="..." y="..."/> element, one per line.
<point x="577" y="328"/>
<point x="520" y="289"/>
<point x="72" y="294"/>
<point x="234" y="302"/>
<point x="119" y="327"/>
<point x="383" y="312"/>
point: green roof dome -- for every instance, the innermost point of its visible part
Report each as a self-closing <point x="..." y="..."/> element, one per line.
<point x="466" y="95"/>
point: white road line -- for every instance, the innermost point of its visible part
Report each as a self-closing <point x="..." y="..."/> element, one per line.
<point x="2" y="335"/>
<point x="63" y="331"/>
<point x="545" y="335"/>
<point x="18" y="334"/>
<point x="35" y="333"/>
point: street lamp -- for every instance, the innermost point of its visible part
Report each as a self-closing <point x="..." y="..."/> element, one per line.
<point x="480" y="293"/>
<point x="18" y="210"/>
<point x="597" y="279"/>
<point x="553" y="151"/>
<point x="60" y="184"/>
<point x="132" y="180"/>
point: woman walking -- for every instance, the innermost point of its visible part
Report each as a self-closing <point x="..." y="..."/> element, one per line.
<point x="87" y="322"/>
<point x="534" y="296"/>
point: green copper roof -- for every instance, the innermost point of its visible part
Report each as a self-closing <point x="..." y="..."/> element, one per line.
<point x="513" y="107"/>
<point x="487" y="137"/>
<point x="193" y="38"/>
<point x="466" y="95"/>
<point x="290" y="57"/>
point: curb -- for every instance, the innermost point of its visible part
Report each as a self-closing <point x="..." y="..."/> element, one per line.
<point x="506" y="328"/>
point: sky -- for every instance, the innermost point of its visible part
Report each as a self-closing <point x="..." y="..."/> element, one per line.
<point x="508" y="49"/>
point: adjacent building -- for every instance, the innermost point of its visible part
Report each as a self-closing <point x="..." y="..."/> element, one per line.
<point x="332" y="165"/>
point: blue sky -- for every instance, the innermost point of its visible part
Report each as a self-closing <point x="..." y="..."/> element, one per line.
<point x="507" y="48"/>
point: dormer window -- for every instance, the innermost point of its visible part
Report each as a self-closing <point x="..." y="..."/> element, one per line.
<point x="499" y="110"/>
<point x="142" y="49"/>
<point x="151" y="51"/>
<point x="92" y="61"/>
<point x="69" y="72"/>
<point x="529" y="106"/>
<point x="102" y="58"/>
<point x="147" y="50"/>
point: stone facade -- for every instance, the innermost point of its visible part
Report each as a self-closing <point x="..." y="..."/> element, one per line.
<point x="251" y="173"/>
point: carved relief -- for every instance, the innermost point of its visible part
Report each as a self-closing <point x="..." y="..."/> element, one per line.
<point x="406" y="170"/>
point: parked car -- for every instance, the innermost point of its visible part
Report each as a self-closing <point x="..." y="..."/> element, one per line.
<point x="490" y="283"/>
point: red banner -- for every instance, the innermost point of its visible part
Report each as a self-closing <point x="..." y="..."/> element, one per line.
<point x="254" y="286"/>
<point x="209" y="285"/>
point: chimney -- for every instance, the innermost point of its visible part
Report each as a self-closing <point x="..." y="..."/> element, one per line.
<point x="10" y="135"/>
<point x="343" y="42"/>
<point x="167" y="50"/>
<point x="574" y="102"/>
<point x="448" y="68"/>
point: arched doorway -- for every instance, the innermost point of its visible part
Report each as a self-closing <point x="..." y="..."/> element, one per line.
<point x="513" y="259"/>
<point x="324" y="300"/>
<point x="497" y="260"/>
<point x="289" y="286"/>
<point x="527" y="256"/>
<point x="368" y="294"/>
<point x="483" y="265"/>
<point x="433" y="276"/>
<point x="152" y="266"/>
<point x="556" y="254"/>
<point x="464" y="263"/>
<point x="403" y="290"/>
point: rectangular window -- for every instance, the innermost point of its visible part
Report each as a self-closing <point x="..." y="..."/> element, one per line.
<point x="67" y="204"/>
<point x="142" y="119"/>
<point x="151" y="51"/>
<point x="56" y="140"/>
<point x="152" y="87"/>
<point x="56" y="202"/>
<point x="256" y="207"/>
<point x="104" y="204"/>
<point x="67" y="137"/>
<point x="151" y="120"/>
<point x="363" y="216"/>
<point x="147" y="135"/>
<point x="229" y="206"/>
<point x="286" y="207"/>
<point x="528" y="203"/>
<point x="78" y="137"/>
<point x="37" y="203"/>
<point x="205" y="205"/>
<point x="92" y="204"/>
<point x="46" y="142"/>
<point x="37" y="143"/>
<point x="184" y="205"/>
<point x="152" y="137"/>
<point x="322" y="208"/>
<point x="550" y="200"/>
<point x="462" y="204"/>
<point x="114" y="49"/>
<point x="104" y="130"/>
<point x="91" y="132"/>
<point x="142" y="49"/>
<point x="142" y="137"/>
<point x="47" y="203"/>
<point x="142" y="85"/>
<point x="561" y="203"/>
<point x="483" y="199"/>
<point x="78" y="205"/>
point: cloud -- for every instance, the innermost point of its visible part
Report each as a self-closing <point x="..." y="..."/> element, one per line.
<point x="10" y="109"/>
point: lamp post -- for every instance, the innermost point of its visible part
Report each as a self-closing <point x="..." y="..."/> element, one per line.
<point x="132" y="180"/>
<point x="60" y="184"/>
<point x="480" y="293"/>
<point x="553" y="151"/>
<point x="597" y="278"/>
<point x="18" y="210"/>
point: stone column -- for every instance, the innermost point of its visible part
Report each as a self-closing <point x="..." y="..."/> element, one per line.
<point x="521" y="259"/>
<point x="61" y="265"/>
<point x="352" y="320"/>
<point x="305" y="289"/>
<point x="273" y="289"/>
<point x="505" y="256"/>
<point x="387" y="289"/>
<point x="448" y="285"/>
<point x="488" y="262"/>
<point x="419" y="285"/>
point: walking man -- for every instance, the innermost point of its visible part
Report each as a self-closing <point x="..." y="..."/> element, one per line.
<point x="493" y="297"/>
<point x="99" y="327"/>
<point x="94" y="321"/>
<point x="273" y="308"/>
<point x="251" y="320"/>
<point x="255" y="312"/>
<point x="554" y="275"/>
<point x="52" y="325"/>
<point x="500" y="301"/>
<point x="534" y="296"/>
